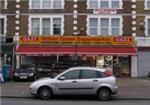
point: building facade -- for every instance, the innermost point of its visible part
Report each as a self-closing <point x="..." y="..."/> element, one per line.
<point x="6" y="33"/>
<point x="143" y="37"/>
<point x="122" y="21"/>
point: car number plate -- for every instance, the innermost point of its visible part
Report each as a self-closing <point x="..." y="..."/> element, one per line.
<point x="23" y="77"/>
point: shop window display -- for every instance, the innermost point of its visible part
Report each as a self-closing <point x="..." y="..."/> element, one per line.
<point x="105" y="62"/>
<point x="125" y="66"/>
<point x="121" y="66"/>
<point x="118" y="65"/>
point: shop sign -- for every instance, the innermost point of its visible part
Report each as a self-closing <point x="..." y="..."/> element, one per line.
<point x="77" y="40"/>
<point x="104" y="11"/>
<point x="5" y="39"/>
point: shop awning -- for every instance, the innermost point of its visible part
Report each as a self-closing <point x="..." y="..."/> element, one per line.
<point x="72" y="50"/>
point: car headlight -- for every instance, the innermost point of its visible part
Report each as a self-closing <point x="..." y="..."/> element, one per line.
<point x="31" y="74"/>
<point x="16" y="74"/>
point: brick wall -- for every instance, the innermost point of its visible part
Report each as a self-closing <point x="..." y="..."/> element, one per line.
<point x="81" y="18"/>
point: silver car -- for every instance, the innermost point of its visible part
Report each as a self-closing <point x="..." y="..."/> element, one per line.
<point x="77" y="81"/>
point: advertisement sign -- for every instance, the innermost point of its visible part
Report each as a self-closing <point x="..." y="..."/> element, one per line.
<point x="105" y="11"/>
<point x="78" y="40"/>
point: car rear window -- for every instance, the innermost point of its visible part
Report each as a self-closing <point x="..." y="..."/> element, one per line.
<point x="101" y="74"/>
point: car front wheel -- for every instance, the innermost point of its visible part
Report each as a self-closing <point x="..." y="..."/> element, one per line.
<point x="104" y="94"/>
<point x="45" y="93"/>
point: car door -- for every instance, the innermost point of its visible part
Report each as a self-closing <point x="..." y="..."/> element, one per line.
<point x="68" y="83"/>
<point x="88" y="81"/>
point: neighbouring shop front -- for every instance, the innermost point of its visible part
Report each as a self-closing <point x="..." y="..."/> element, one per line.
<point x="117" y="54"/>
<point x="7" y="50"/>
<point x="143" y="61"/>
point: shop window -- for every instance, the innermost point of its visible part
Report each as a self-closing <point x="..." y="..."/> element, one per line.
<point x="121" y="66"/>
<point x="46" y="25"/>
<point x="105" y="62"/>
<point x="46" y="4"/>
<point x="125" y="66"/>
<point x="94" y="4"/>
<point x="104" y="25"/>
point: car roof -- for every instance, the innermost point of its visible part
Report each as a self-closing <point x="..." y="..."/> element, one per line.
<point x="86" y="67"/>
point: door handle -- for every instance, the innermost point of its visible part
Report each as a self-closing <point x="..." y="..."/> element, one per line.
<point x="74" y="81"/>
<point x="95" y="80"/>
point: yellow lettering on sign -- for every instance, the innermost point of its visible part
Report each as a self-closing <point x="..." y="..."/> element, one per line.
<point x="83" y="40"/>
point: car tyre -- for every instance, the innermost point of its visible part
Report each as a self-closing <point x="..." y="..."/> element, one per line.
<point x="104" y="94"/>
<point x="45" y="93"/>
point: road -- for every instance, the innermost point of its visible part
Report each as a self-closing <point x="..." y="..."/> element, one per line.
<point x="32" y="101"/>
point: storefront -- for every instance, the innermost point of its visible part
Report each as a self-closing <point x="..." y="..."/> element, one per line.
<point x="117" y="54"/>
<point x="143" y="47"/>
<point x="6" y="50"/>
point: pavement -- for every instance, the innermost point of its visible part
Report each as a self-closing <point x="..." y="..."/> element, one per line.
<point x="129" y="88"/>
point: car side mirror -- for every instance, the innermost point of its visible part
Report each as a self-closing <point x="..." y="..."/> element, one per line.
<point x="62" y="78"/>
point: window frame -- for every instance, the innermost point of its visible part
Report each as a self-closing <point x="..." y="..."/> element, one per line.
<point x="145" y="5"/>
<point x="5" y="24"/>
<point x="5" y="4"/>
<point x="109" y="4"/>
<point x="99" y="19"/>
<point x="146" y="26"/>
<point x="51" y="17"/>
<point x="93" y="26"/>
<point x="51" y="5"/>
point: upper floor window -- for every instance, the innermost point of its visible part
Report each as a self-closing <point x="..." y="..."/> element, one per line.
<point x="3" y="4"/>
<point x="147" y="4"/>
<point x="46" y="25"/>
<point x="104" y="25"/>
<point x="2" y="25"/>
<point x="46" y="4"/>
<point x="147" y="26"/>
<point x="114" y="4"/>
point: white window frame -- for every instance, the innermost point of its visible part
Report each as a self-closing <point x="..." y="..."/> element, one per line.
<point x="146" y="24"/>
<point x="6" y="3"/>
<point x="145" y="4"/>
<point x="5" y="24"/>
<point x="99" y="18"/>
<point x="51" y="6"/>
<point x="51" y="23"/>
<point x="109" y="2"/>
